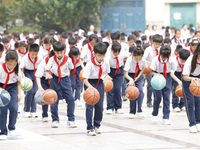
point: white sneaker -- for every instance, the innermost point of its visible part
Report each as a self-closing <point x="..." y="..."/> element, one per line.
<point x="124" y="98"/>
<point x="140" y="115"/>
<point x="91" y="132"/>
<point x="45" y="119"/>
<point x="132" y="116"/>
<point x="71" y="124"/>
<point x="63" y="101"/>
<point x="97" y="130"/>
<point x="183" y="109"/>
<point x="13" y="133"/>
<point x="177" y="109"/>
<point x="198" y="127"/>
<point x="78" y="103"/>
<point x="193" y="129"/>
<point x="119" y="111"/>
<point x="154" y="119"/>
<point x="27" y="115"/>
<point x="60" y="101"/>
<point x="166" y="122"/>
<point x="3" y="137"/>
<point x="55" y="124"/>
<point x="34" y="115"/>
<point x="109" y="111"/>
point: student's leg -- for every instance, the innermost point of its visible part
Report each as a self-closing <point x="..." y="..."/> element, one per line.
<point x="156" y="103"/>
<point x="73" y="81"/>
<point x="110" y="94"/>
<point x="124" y="86"/>
<point x="139" y="85"/>
<point x="181" y="103"/>
<point x="33" y="103"/>
<point x="45" y="86"/>
<point x="78" y="83"/>
<point x="117" y="91"/>
<point x="149" y="89"/>
<point x="175" y="98"/>
<point x="28" y="99"/>
<point x="197" y="109"/>
<point x="3" y="120"/>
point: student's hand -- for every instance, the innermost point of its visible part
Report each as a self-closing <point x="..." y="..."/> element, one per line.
<point x="136" y="78"/>
<point x="48" y="76"/>
<point x="40" y="89"/>
<point x="108" y="77"/>
<point x="195" y="79"/>
<point x="180" y="83"/>
<point x="131" y="82"/>
<point x="19" y="97"/>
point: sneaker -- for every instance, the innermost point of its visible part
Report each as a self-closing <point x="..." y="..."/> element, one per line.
<point x="193" y="129"/>
<point x="198" y="127"/>
<point x="60" y="101"/>
<point x="3" y="137"/>
<point x="166" y="122"/>
<point x="45" y="119"/>
<point x="109" y="111"/>
<point x="71" y="124"/>
<point x="63" y="101"/>
<point x="140" y="115"/>
<point x="149" y="105"/>
<point x="154" y="119"/>
<point x="78" y="103"/>
<point x="183" y="109"/>
<point x="55" y="124"/>
<point x="34" y="115"/>
<point x="13" y="133"/>
<point x="27" y="115"/>
<point x="91" y="132"/>
<point x="177" y="109"/>
<point x="119" y="111"/>
<point x="132" y="116"/>
<point x="124" y="98"/>
<point x="97" y="130"/>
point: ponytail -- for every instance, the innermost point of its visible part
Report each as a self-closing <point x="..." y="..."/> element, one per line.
<point x="194" y="58"/>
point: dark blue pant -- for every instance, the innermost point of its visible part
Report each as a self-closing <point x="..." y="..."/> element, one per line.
<point x="149" y="89"/>
<point x="12" y="106"/>
<point x="98" y="107"/>
<point x="29" y="104"/>
<point x="76" y="83"/>
<point x="65" y="86"/>
<point x="165" y="93"/>
<point x="192" y="104"/>
<point x="175" y="98"/>
<point x="139" y="100"/>
<point x="114" y="100"/>
<point x="123" y="84"/>
<point x="45" y="86"/>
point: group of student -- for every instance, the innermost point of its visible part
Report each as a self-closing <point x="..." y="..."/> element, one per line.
<point x="56" y="64"/>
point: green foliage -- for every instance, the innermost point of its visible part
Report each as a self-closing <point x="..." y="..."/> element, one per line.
<point x="22" y="28"/>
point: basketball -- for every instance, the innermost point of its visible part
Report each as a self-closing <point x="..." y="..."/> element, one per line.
<point x="91" y="96"/>
<point x="108" y="84"/>
<point x="4" y="97"/>
<point x="81" y="76"/>
<point x="26" y="84"/>
<point x="158" y="82"/>
<point x="38" y="98"/>
<point x="132" y="92"/>
<point x="195" y="87"/>
<point x="49" y="97"/>
<point x="179" y="91"/>
<point x="148" y="69"/>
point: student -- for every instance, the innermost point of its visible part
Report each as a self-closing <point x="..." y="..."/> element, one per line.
<point x="46" y="47"/>
<point x="60" y="66"/>
<point x="1" y="52"/>
<point x="167" y="41"/>
<point x="28" y="66"/>
<point x="15" y="38"/>
<point x="10" y="79"/>
<point x="116" y="60"/>
<point x="6" y="44"/>
<point x="179" y="61"/>
<point x="22" y="50"/>
<point x="94" y="73"/>
<point x="76" y="83"/>
<point x="134" y="68"/>
<point x="191" y="73"/>
<point x="175" y="53"/>
<point x="144" y="46"/>
<point x="197" y="34"/>
<point x="108" y="37"/>
<point x="163" y="65"/>
<point x="71" y="42"/>
<point x="176" y="40"/>
<point x="149" y="54"/>
<point x="43" y="83"/>
<point x="193" y="46"/>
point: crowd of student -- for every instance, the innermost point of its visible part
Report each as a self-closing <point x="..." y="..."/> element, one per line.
<point x="55" y="60"/>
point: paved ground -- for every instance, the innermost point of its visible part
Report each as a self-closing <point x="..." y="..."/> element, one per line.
<point x="118" y="132"/>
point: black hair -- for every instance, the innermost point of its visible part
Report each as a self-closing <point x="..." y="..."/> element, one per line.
<point x="167" y="34"/>
<point x="16" y="45"/>
<point x="36" y="37"/>
<point x="178" y="48"/>
<point x="25" y="32"/>
<point x="12" y="55"/>
<point x="51" y="54"/>
<point x="22" y="44"/>
<point x="144" y="38"/>
<point x="115" y="36"/>
<point x="122" y="38"/>
<point x="158" y="38"/>
<point x="93" y="37"/>
<point x="72" y="41"/>
<point x="184" y="54"/>
<point x="198" y="31"/>
<point x="138" y="43"/>
<point x="107" y="44"/>
<point x="69" y="33"/>
<point x="176" y="30"/>
<point x="48" y="40"/>
<point x="131" y="37"/>
<point x="86" y="41"/>
<point x="188" y="40"/>
<point x="194" y="58"/>
<point x="116" y="47"/>
<point x="191" y="30"/>
<point x="150" y="37"/>
<point x="35" y="33"/>
<point x="58" y="46"/>
<point x="34" y="48"/>
<point x="165" y="51"/>
<point x="5" y="40"/>
<point x="145" y="45"/>
<point x="167" y="40"/>
<point x="9" y="37"/>
<point x="5" y="32"/>
<point x="74" y="51"/>
<point x="30" y="41"/>
<point x="16" y="34"/>
<point x="1" y="47"/>
<point x="64" y="35"/>
<point x="138" y="51"/>
<point x="131" y="48"/>
<point x="100" y="48"/>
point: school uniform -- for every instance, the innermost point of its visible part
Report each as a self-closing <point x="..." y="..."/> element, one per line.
<point x="87" y="52"/>
<point x="176" y="41"/>
<point x="191" y="50"/>
<point x="158" y="65"/>
<point x="20" y="53"/>
<point x="12" y="43"/>
<point x="133" y="69"/>
<point x="30" y="66"/>
<point x="8" y="81"/>
<point x="192" y="103"/>
<point x="114" y="100"/>
<point x="95" y="73"/>
<point x="44" y="52"/>
<point x="107" y="39"/>
<point x="61" y="82"/>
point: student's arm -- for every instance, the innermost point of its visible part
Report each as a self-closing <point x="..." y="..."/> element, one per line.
<point x="175" y="78"/>
<point x="39" y="84"/>
<point x="153" y="73"/>
<point x="188" y="78"/>
<point x="22" y="72"/>
<point x="48" y="75"/>
<point x="131" y="81"/>
<point x="86" y="82"/>
<point x="81" y="62"/>
<point x="141" y="72"/>
<point x="19" y="91"/>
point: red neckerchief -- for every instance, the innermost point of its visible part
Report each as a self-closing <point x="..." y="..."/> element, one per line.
<point x="8" y="76"/>
<point x="65" y="58"/>
<point x="117" y="66"/>
<point x="74" y="70"/>
<point x="175" y="53"/>
<point x="181" y="66"/>
<point x="191" y="50"/>
<point x="14" y="39"/>
<point x="156" y="52"/>
<point x="178" y="41"/>
<point x="46" y="49"/>
<point x="165" y="66"/>
<point x="137" y="68"/>
<point x="91" y="51"/>
<point x="33" y="62"/>
<point x="100" y="70"/>
<point x="23" y="53"/>
<point x="185" y="44"/>
<point x="8" y="47"/>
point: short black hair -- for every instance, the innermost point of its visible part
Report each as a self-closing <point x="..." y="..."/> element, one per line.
<point x="167" y="34"/>
<point x="58" y="46"/>
<point x="100" y="48"/>
<point x="48" y="40"/>
<point x="167" y="40"/>
<point x="116" y="47"/>
<point x="144" y="38"/>
<point x="158" y="38"/>
<point x="86" y="41"/>
<point x="165" y="51"/>
<point x="93" y="37"/>
<point x="30" y="41"/>
<point x="34" y="47"/>
<point x="64" y="35"/>
<point x="22" y="44"/>
<point x="138" y="43"/>
<point x="72" y="41"/>
<point x="5" y="32"/>
<point x="178" y="48"/>
<point x="5" y="40"/>
<point x="138" y="51"/>
<point x="16" y="45"/>
<point x="131" y="48"/>
<point x="51" y="54"/>
<point x="184" y="54"/>
<point x="74" y="51"/>
<point x="1" y="47"/>
<point x="16" y="34"/>
<point x="131" y="37"/>
<point x="122" y="38"/>
<point x="115" y="36"/>
<point x="145" y="45"/>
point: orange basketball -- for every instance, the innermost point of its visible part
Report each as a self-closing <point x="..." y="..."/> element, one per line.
<point x="91" y="96"/>
<point x="49" y="96"/>
<point x="179" y="91"/>
<point x="81" y="76"/>
<point x="132" y="92"/>
<point x="195" y="87"/>
<point x="148" y="69"/>
<point x="108" y="85"/>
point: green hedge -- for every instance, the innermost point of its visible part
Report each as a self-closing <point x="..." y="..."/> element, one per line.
<point x="20" y="29"/>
